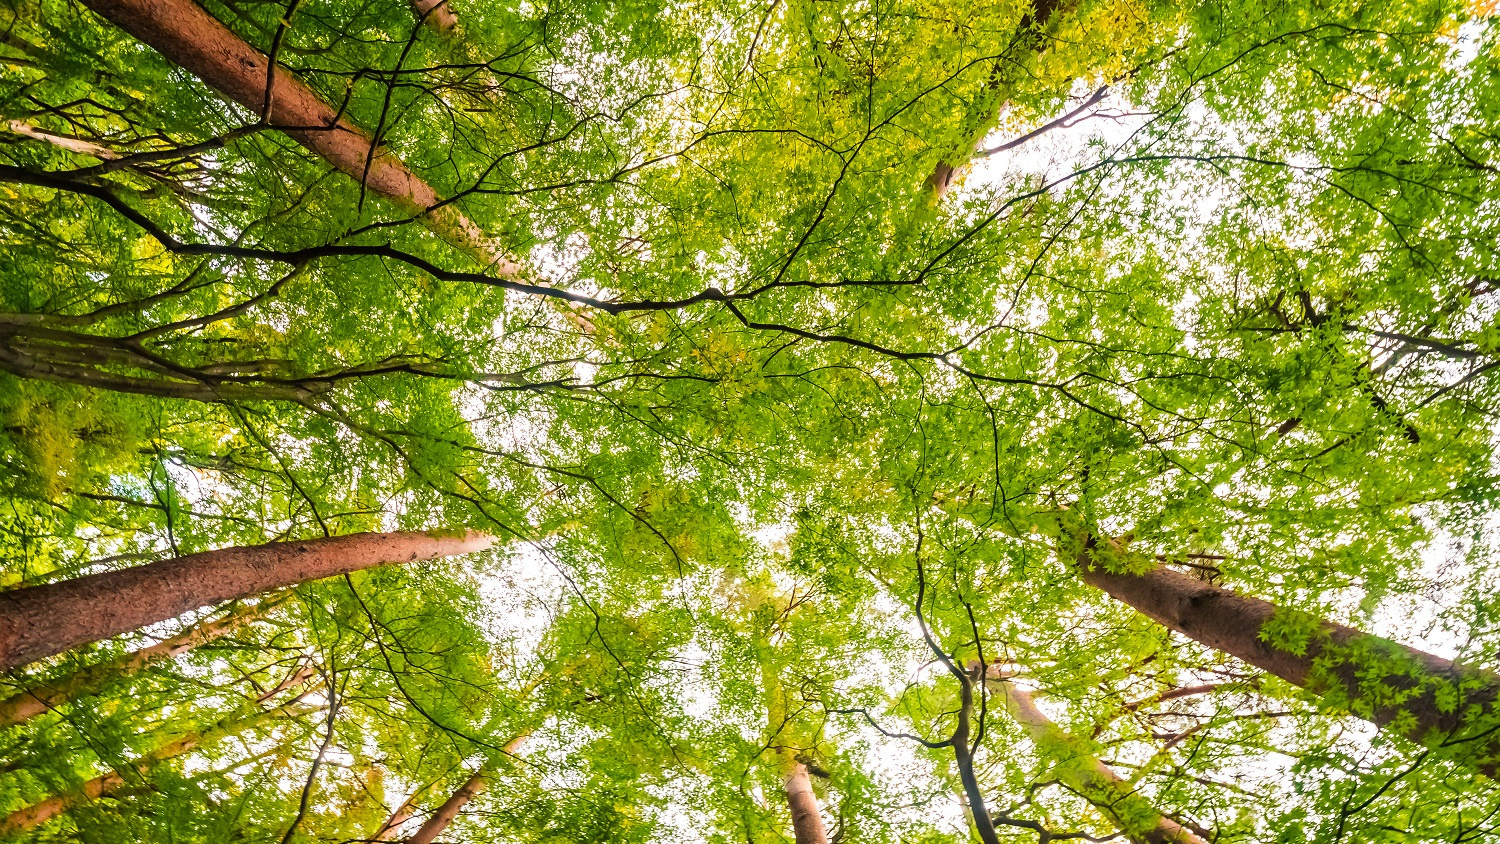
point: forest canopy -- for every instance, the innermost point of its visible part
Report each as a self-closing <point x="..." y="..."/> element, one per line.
<point x="781" y="421"/>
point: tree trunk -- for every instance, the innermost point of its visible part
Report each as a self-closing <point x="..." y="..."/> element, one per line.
<point x="190" y="37"/>
<point x="963" y="758"/>
<point x="40" y="621"/>
<point x="451" y="807"/>
<point x="1026" y="39"/>
<point x="436" y="14"/>
<point x="807" y="821"/>
<point x="39" y="813"/>
<point x="403" y="813"/>
<point x="1423" y="697"/>
<point x="34" y="701"/>
<point x="1084" y="773"/>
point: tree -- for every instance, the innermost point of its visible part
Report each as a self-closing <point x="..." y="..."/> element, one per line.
<point x="41" y="621"/>
<point x="799" y="365"/>
<point x="32" y="702"/>
<point x="1087" y="775"/>
<point x="1424" y="697"/>
<point x="106" y="784"/>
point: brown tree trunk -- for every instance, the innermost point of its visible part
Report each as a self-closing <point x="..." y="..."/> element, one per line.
<point x="40" y="621"/>
<point x="807" y="821"/>
<point x="40" y="812"/>
<point x="436" y="14"/>
<point x="34" y="701"/>
<point x="1426" y="698"/>
<point x="1027" y="39"/>
<point x="455" y="803"/>
<point x="1084" y="773"/>
<point x="403" y="813"/>
<point x="190" y="37"/>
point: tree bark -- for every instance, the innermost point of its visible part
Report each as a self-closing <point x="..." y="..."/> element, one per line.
<point x="403" y="813"/>
<point x="437" y="15"/>
<point x="451" y="807"/>
<point x="1027" y="38"/>
<point x="963" y="759"/>
<point x="192" y="38"/>
<point x="43" y="811"/>
<point x="1084" y="773"/>
<point x="807" y="821"/>
<point x="1423" y="697"/>
<point x="40" y="621"/>
<point x="22" y="707"/>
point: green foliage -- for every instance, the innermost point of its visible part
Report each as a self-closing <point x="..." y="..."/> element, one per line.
<point x="765" y="411"/>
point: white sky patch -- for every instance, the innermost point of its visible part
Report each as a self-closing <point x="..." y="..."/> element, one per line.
<point x="521" y="593"/>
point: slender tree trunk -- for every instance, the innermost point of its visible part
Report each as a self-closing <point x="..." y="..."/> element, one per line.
<point x="40" y="621"/>
<point x="403" y="813"/>
<point x="963" y="757"/>
<point x="190" y="37"/>
<point x="455" y="803"/>
<point x="1027" y="39"/>
<point x="1084" y="773"/>
<point x="1424" y="697"/>
<point x="22" y="707"/>
<point x="39" y="813"/>
<point x="807" y="821"/>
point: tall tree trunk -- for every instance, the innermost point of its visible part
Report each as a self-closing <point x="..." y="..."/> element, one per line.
<point x="190" y="37"/>
<point x="455" y="803"/>
<point x="807" y="820"/>
<point x="40" y="621"/>
<point x="1424" y="697"/>
<point x="963" y="758"/>
<point x="1028" y="38"/>
<point x="39" y="813"/>
<point x="1084" y="773"/>
<point x="22" y="707"/>
<point x="405" y="812"/>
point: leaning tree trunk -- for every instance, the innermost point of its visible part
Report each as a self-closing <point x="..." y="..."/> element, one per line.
<point x="40" y="621"/>
<point x="1423" y="697"/>
<point x="451" y="807"/>
<point x="43" y="811"/>
<point x="22" y="707"/>
<point x="1084" y="773"/>
<point x="405" y="812"/>
<point x="1028" y="38"/>
<point x="190" y="37"/>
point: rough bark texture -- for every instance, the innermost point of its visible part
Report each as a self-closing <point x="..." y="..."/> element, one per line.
<point x="451" y="807"/>
<point x="40" y="812"/>
<point x="1421" y="696"/>
<point x="38" y="699"/>
<point x="40" y="621"/>
<point x="807" y="822"/>
<point x="192" y="38"/>
<point x="1084" y="773"/>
